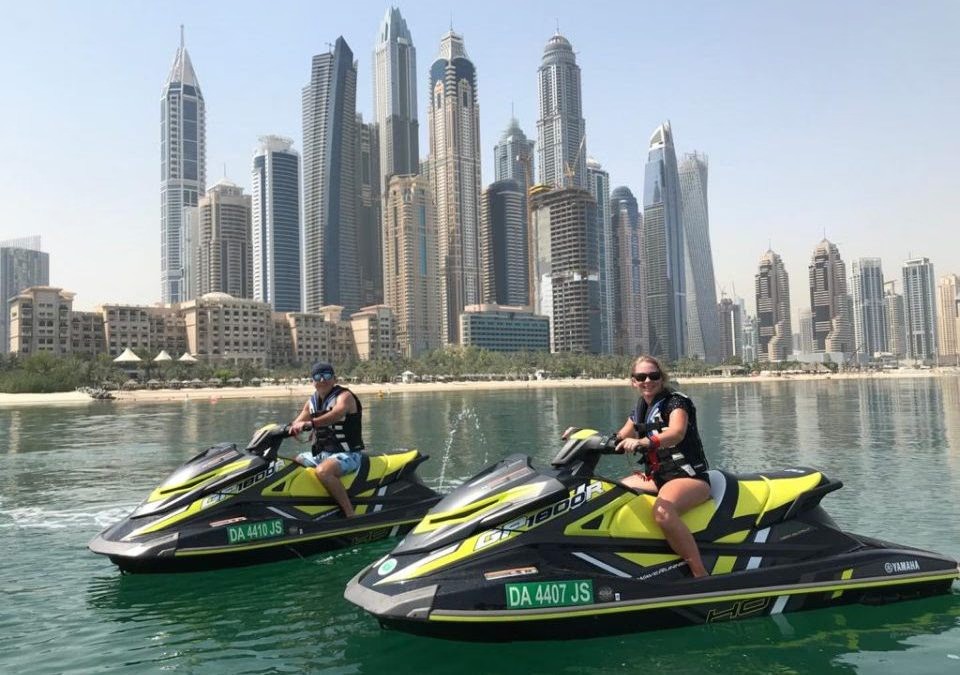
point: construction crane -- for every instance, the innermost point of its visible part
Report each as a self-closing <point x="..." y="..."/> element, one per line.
<point x="570" y="168"/>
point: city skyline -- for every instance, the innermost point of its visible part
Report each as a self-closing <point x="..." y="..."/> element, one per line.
<point x="862" y="202"/>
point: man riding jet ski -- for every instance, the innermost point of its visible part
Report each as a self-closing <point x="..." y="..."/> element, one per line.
<point x="518" y="553"/>
<point x="228" y="507"/>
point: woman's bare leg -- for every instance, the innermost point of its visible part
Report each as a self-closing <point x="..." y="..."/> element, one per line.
<point x="675" y="498"/>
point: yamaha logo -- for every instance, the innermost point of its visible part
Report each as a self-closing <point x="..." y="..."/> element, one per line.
<point x="901" y="566"/>
<point x="387" y="566"/>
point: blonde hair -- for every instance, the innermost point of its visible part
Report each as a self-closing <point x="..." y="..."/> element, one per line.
<point x="650" y="359"/>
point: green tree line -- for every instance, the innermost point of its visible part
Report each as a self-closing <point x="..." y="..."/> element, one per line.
<point x="48" y="373"/>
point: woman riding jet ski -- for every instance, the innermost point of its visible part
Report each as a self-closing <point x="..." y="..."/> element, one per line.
<point x="518" y="553"/>
<point x="228" y="507"/>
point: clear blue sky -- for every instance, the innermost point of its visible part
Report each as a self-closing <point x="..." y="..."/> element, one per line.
<point x="817" y="116"/>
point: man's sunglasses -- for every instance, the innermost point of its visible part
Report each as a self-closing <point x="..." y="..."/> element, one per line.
<point x="642" y="377"/>
<point x="322" y="376"/>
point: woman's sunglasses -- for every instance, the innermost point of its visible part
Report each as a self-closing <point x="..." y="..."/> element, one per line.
<point x="642" y="377"/>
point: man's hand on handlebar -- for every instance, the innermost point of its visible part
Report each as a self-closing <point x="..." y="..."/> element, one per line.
<point x="299" y="427"/>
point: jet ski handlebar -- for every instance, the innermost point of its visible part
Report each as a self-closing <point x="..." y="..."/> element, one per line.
<point x="586" y="446"/>
<point x="266" y="441"/>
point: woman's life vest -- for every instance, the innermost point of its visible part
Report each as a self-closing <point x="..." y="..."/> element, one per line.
<point x="684" y="459"/>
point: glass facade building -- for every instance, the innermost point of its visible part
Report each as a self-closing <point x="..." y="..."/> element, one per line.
<point x="22" y="265"/>
<point x="598" y="184"/>
<point x="627" y="280"/>
<point x="330" y="182"/>
<point x="869" y="308"/>
<point x="703" y="327"/>
<point x="665" y="260"/>
<point x="275" y="224"/>
<point x="183" y="170"/>
<point x="919" y="310"/>
<point x="395" y="99"/>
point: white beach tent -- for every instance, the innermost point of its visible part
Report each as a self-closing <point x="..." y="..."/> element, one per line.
<point x="127" y="357"/>
<point x="187" y="358"/>
<point x="162" y="356"/>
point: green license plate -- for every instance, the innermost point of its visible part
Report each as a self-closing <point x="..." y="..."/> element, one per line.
<point x="549" y="594"/>
<point x="262" y="529"/>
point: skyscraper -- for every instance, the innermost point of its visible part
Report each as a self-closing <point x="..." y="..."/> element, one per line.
<point x="731" y="330"/>
<point x="369" y="229"/>
<point x="629" y="301"/>
<point x="703" y="329"/>
<point x="568" y="288"/>
<point x="454" y="120"/>
<point x="224" y="261"/>
<point x="329" y="182"/>
<point x="919" y="310"/>
<point x="513" y="159"/>
<point x="664" y="259"/>
<point x="503" y="244"/>
<point x="598" y="184"/>
<point x="513" y="155"/>
<point x="410" y="265"/>
<point x="395" y="99"/>
<point x="948" y="302"/>
<point x="561" y="129"/>
<point x="896" y="322"/>
<point x="22" y="265"/>
<point x="275" y="224"/>
<point x="829" y="302"/>
<point x="183" y="167"/>
<point x="774" y="333"/>
<point x="869" y="308"/>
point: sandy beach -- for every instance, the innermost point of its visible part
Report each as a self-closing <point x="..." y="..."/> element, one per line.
<point x="301" y="391"/>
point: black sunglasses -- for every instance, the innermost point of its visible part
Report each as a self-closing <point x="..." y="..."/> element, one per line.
<point x="642" y="377"/>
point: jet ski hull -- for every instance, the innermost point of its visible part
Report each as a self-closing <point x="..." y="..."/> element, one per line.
<point x="202" y="548"/>
<point x="507" y="611"/>
<point x="521" y="554"/>
<point x="230" y="508"/>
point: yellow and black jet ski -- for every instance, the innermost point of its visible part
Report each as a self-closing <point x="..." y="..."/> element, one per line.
<point x="518" y="553"/>
<point x="228" y="507"/>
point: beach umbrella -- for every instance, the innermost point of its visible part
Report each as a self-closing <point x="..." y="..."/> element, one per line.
<point x="162" y="356"/>
<point x="127" y="357"/>
<point x="187" y="358"/>
<point x="235" y="381"/>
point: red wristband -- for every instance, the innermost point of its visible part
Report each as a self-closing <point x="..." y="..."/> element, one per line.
<point x="654" y="442"/>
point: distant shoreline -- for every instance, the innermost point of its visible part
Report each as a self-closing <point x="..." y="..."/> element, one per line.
<point x="387" y="389"/>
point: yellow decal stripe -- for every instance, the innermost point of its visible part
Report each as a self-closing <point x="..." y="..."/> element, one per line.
<point x="724" y="564"/>
<point x="847" y="573"/>
<point x="438" y="615"/>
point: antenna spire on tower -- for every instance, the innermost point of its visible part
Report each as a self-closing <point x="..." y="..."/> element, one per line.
<point x="181" y="36"/>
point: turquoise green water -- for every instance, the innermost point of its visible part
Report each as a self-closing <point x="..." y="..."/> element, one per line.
<point x="65" y="473"/>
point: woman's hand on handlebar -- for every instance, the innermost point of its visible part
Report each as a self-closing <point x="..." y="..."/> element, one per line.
<point x="629" y="445"/>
